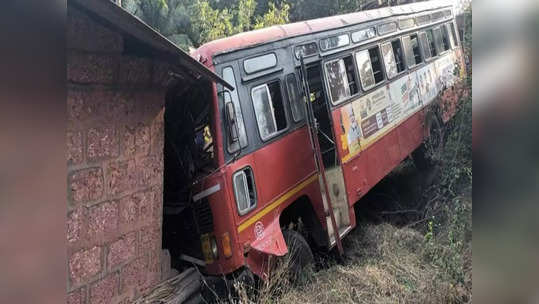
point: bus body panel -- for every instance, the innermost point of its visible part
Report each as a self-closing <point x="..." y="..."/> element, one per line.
<point x="366" y="161"/>
<point x="280" y="165"/>
<point x="283" y="173"/>
<point x="223" y="215"/>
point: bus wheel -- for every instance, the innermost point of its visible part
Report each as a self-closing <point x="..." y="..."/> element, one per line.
<point x="299" y="255"/>
<point x="429" y="154"/>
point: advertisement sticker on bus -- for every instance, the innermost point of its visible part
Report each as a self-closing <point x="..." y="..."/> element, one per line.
<point x="365" y="117"/>
<point x="426" y="78"/>
<point x="446" y="70"/>
<point x="375" y="111"/>
<point x="405" y="97"/>
<point x="352" y="136"/>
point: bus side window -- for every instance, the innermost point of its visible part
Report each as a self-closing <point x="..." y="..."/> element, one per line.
<point x="269" y="109"/>
<point x="293" y="97"/>
<point x="412" y="51"/>
<point x="438" y="40"/>
<point x="445" y="38"/>
<point x="370" y="67"/>
<point x="389" y="60"/>
<point x="399" y="55"/>
<point x="228" y="76"/>
<point x="244" y="190"/>
<point x="454" y="41"/>
<point x="431" y="43"/>
<point x="393" y="58"/>
<point x="341" y="78"/>
<point x="425" y="45"/>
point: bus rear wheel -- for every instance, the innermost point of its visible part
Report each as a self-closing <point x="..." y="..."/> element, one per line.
<point x="429" y="154"/>
<point x="298" y="258"/>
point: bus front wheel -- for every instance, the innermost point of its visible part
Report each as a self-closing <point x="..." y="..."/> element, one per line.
<point x="298" y="258"/>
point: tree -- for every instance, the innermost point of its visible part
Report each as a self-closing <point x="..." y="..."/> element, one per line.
<point x="169" y="17"/>
<point x="275" y="15"/>
<point x="208" y="24"/>
<point x="191" y="23"/>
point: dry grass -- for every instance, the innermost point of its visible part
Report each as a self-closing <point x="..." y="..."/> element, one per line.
<point x="385" y="265"/>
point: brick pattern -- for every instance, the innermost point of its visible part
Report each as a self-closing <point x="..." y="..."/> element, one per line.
<point x="86" y="185"/>
<point x="85" y="264"/>
<point x="77" y="297"/>
<point x="122" y="250"/>
<point x="114" y="139"/>
<point x="104" y="290"/>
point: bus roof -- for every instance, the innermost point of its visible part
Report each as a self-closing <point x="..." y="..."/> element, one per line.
<point x="280" y="32"/>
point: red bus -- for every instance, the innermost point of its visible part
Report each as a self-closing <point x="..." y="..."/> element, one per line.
<point x="326" y="106"/>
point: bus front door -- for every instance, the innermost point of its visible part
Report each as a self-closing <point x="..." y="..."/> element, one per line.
<point x="323" y="142"/>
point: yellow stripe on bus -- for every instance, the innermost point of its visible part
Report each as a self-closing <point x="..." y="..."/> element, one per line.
<point x="374" y="139"/>
<point x="276" y="203"/>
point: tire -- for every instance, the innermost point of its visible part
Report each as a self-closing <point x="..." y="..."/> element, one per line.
<point x="433" y="145"/>
<point x="299" y="255"/>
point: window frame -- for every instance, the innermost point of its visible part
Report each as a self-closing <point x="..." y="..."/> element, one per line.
<point x="450" y="46"/>
<point x="296" y="47"/>
<point x="364" y="30"/>
<point x="418" y="18"/>
<point x="326" y="79"/>
<point x="389" y="23"/>
<point x="401" y="21"/>
<point x="242" y="171"/>
<point x="420" y="50"/>
<point x="335" y="47"/>
<point x="438" y="43"/>
<point x="256" y="57"/>
<point x="390" y="42"/>
<point x="298" y="97"/>
<point x="233" y="93"/>
<point x="262" y="83"/>
<point x="453" y="32"/>
<point x="432" y="56"/>
<point x="437" y="16"/>
<point x="384" y="73"/>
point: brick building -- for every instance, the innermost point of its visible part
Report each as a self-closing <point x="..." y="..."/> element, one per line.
<point x="118" y="73"/>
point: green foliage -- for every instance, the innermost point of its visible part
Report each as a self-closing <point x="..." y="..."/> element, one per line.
<point x="246" y="11"/>
<point x="191" y="23"/>
<point x="310" y="9"/>
<point x="172" y="18"/>
<point x="447" y="240"/>
<point x="275" y="15"/>
<point x="208" y="24"/>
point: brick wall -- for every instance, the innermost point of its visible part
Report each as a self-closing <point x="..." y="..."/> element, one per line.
<point x="115" y="106"/>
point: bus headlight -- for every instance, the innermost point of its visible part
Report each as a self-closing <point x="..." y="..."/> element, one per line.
<point x="214" y="249"/>
<point x="209" y="248"/>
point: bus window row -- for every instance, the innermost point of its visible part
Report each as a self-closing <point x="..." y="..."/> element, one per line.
<point x="343" y="39"/>
<point x="375" y="64"/>
<point x="386" y="60"/>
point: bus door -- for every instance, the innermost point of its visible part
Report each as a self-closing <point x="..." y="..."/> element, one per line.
<point x="324" y="145"/>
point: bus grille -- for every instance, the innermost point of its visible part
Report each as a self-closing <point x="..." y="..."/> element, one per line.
<point x="204" y="217"/>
